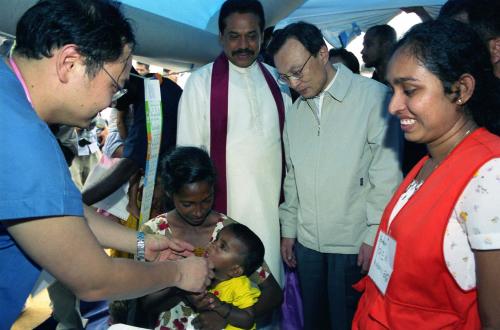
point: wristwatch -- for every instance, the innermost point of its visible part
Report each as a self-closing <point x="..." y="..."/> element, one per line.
<point x="141" y="247"/>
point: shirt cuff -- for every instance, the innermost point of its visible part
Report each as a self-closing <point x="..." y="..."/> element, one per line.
<point x="288" y="231"/>
<point x="485" y="241"/>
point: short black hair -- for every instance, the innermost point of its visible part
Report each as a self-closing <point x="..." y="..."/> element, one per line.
<point x="307" y="34"/>
<point x="449" y="49"/>
<point x="241" y="7"/>
<point x="254" y="257"/>
<point x="452" y="8"/>
<point x="484" y="18"/>
<point x="185" y="165"/>
<point x="348" y="58"/>
<point x="384" y="33"/>
<point x="482" y="15"/>
<point x="97" y="27"/>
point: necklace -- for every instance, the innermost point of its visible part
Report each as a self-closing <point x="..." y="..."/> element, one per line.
<point x="431" y="165"/>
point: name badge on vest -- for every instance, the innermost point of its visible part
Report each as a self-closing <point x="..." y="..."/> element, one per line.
<point x="383" y="261"/>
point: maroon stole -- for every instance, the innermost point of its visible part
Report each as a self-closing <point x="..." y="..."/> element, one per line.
<point x="218" y="124"/>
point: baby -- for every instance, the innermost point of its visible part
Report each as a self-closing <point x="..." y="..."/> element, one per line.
<point x="236" y="253"/>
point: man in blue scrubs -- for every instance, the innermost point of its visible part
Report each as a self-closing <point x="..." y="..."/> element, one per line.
<point x="71" y="60"/>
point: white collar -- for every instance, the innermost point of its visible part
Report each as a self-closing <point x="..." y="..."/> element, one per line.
<point x="242" y="70"/>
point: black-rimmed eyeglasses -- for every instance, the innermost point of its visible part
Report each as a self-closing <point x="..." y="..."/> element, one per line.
<point x="294" y="76"/>
<point x="119" y="90"/>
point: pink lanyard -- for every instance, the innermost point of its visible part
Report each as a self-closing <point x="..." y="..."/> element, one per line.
<point x="20" y="77"/>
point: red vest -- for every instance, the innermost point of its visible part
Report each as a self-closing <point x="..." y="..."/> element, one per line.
<point x="421" y="293"/>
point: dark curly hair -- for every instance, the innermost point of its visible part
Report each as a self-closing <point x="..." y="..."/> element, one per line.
<point x="97" y="27"/>
<point x="254" y="256"/>
<point x="185" y="165"/>
<point x="449" y="49"/>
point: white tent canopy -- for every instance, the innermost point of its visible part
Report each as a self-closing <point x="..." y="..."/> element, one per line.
<point x="336" y="16"/>
<point x="184" y="34"/>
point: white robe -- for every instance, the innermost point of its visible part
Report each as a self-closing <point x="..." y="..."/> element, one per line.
<point x="253" y="148"/>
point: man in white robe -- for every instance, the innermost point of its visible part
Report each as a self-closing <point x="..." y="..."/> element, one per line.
<point x="253" y="147"/>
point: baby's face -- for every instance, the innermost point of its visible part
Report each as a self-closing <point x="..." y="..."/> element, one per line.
<point x="225" y="253"/>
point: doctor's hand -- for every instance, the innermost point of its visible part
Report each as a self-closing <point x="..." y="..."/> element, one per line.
<point x="161" y="248"/>
<point x="194" y="274"/>
<point x="287" y="253"/>
<point x="365" y="252"/>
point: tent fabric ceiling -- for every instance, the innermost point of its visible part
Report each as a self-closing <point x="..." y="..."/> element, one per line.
<point x="335" y="16"/>
<point x="184" y="34"/>
<point x="194" y="13"/>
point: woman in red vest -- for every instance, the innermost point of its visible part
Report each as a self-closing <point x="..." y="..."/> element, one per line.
<point x="437" y="255"/>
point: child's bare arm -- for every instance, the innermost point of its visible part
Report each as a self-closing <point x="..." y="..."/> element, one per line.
<point x="271" y="297"/>
<point x="241" y="318"/>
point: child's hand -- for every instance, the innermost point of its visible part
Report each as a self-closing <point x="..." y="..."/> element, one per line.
<point x="196" y="300"/>
<point x="204" y="301"/>
<point x="209" y="321"/>
<point x="213" y="300"/>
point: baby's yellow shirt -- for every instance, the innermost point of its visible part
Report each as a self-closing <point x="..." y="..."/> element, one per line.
<point x="237" y="291"/>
